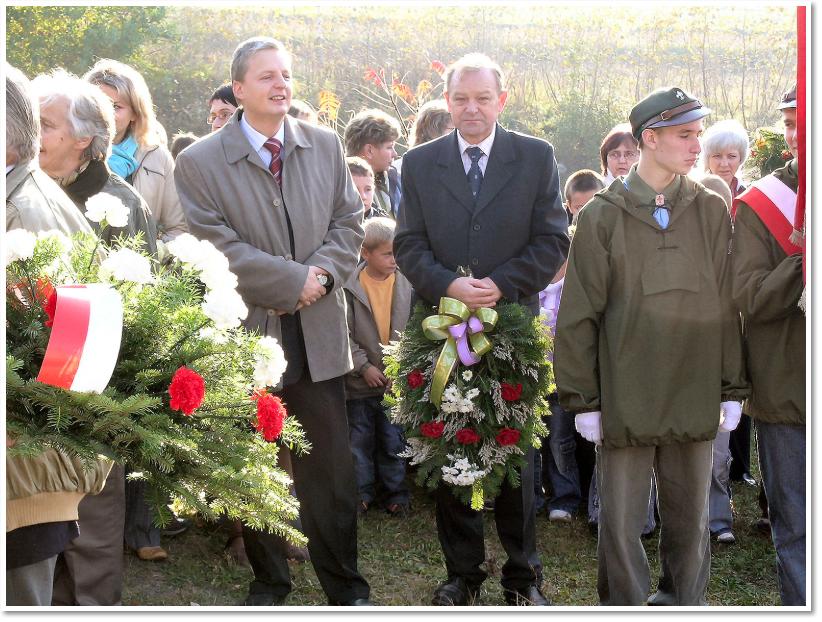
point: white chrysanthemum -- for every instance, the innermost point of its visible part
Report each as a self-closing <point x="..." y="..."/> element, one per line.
<point x="185" y="247"/>
<point x="467" y="375"/>
<point x="127" y="265"/>
<point x="218" y="278"/>
<point x="451" y="394"/>
<point x="210" y="333"/>
<point x="204" y="257"/>
<point x="19" y="245"/>
<point x="462" y="472"/>
<point x="472" y="393"/>
<point x="225" y="308"/>
<point x="105" y="206"/>
<point x="269" y="364"/>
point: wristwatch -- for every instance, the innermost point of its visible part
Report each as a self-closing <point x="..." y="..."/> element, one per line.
<point x="327" y="281"/>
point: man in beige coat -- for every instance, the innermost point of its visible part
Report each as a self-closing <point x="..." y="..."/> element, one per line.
<point x="274" y="194"/>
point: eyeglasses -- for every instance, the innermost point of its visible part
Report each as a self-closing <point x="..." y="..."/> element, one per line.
<point x="223" y="115"/>
<point x="623" y="155"/>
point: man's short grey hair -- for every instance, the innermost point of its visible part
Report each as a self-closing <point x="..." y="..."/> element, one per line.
<point x="727" y="134"/>
<point x="90" y="111"/>
<point x="247" y="49"/>
<point x="22" y="117"/>
<point x="474" y="62"/>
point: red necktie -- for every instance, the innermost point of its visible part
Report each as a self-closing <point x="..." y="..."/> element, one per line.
<point x="276" y="166"/>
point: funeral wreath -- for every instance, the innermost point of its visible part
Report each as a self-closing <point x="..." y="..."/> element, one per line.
<point x="469" y="391"/>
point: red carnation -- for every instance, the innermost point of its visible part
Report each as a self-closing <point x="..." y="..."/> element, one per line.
<point x="467" y="436"/>
<point x="508" y="436"/>
<point x="510" y="393"/>
<point x="187" y="390"/>
<point x="270" y="415"/>
<point x="415" y="379"/>
<point x="50" y="307"/>
<point x="432" y="429"/>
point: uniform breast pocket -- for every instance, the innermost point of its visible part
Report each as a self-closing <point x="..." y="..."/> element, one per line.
<point x="667" y="270"/>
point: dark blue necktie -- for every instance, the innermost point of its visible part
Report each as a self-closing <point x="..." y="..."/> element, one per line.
<point x="474" y="173"/>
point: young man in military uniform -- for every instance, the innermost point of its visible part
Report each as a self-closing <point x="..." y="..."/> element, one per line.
<point x="648" y="351"/>
<point x="767" y="285"/>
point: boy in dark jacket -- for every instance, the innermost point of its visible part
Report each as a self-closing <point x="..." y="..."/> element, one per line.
<point x="379" y="303"/>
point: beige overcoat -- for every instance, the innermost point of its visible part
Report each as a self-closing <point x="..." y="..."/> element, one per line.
<point x="230" y="198"/>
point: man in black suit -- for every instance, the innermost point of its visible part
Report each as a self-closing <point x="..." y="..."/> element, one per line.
<point x="488" y="200"/>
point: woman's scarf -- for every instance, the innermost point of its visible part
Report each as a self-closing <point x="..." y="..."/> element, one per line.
<point x="122" y="159"/>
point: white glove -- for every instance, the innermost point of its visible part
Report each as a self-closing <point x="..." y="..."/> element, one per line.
<point x="589" y="426"/>
<point x="729" y="415"/>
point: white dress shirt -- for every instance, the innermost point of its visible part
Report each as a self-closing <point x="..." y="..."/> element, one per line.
<point x="485" y="146"/>
<point x="257" y="140"/>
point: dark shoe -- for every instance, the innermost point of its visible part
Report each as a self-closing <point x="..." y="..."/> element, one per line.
<point x="662" y="599"/>
<point x="176" y="527"/>
<point x="263" y="600"/>
<point x="455" y="593"/>
<point x="527" y="597"/>
<point x="763" y="525"/>
<point x="357" y="602"/>
<point x="749" y="480"/>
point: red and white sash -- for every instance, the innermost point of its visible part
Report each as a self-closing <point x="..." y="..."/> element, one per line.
<point x="775" y="205"/>
<point x="85" y="338"/>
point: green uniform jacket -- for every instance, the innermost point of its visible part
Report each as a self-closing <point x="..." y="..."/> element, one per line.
<point x="646" y="332"/>
<point x="766" y="288"/>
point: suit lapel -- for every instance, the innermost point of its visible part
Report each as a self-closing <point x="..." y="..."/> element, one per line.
<point x="236" y="145"/>
<point x="500" y="169"/>
<point x="452" y="172"/>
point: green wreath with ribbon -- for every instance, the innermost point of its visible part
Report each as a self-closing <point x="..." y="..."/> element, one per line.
<point x="469" y="391"/>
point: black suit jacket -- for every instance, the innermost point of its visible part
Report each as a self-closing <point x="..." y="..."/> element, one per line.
<point x="516" y="232"/>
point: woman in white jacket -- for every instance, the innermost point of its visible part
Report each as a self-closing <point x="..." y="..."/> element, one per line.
<point x="139" y="153"/>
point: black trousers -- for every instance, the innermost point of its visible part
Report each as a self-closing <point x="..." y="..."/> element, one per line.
<point x="327" y="490"/>
<point x="461" y="534"/>
<point x="740" y="445"/>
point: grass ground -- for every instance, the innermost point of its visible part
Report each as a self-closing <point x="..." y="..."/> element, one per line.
<point x="401" y="559"/>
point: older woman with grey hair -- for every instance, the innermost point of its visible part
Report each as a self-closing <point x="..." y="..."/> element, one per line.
<point x="77" y="121"/>
<point x="33" y="201"/>
<point x="724" y="150"/>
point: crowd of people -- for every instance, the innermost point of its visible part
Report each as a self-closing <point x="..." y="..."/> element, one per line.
<point x="670" y="289"/>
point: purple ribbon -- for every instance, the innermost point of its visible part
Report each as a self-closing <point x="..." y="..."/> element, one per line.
<point x="459" y="333"/>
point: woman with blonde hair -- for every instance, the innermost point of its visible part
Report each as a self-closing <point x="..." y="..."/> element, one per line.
<point x="139" y="153"/>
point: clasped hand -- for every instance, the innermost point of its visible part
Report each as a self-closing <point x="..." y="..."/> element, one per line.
<point x="475" y="293"/>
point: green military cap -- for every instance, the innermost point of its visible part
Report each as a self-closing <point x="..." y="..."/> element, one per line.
<point x="788" y="99"/>
<point x="665" y="107"/>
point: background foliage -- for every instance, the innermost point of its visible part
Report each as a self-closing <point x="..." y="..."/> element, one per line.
<point x="574" y="71"/>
